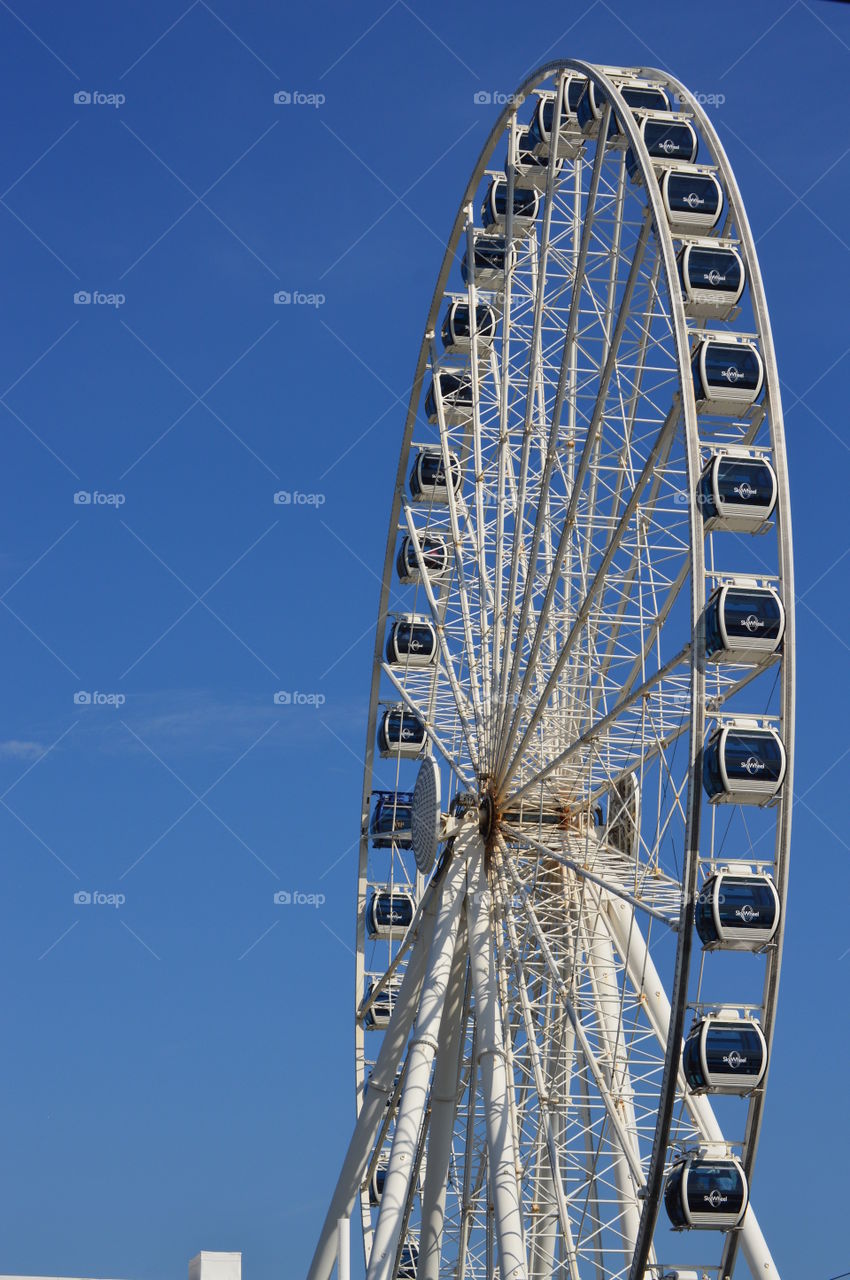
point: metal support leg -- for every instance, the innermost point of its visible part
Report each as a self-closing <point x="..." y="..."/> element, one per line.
<point x="420" y="1059"/>
<point x="380" y="1089"/>
<point x="495" y="1085"/>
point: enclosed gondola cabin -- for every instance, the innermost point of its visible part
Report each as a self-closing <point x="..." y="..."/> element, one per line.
<point x="455" y="394"/>
<point x="533" y="170"/>
<point x="457" y="326"/>
<point x="392" y="818"/>
<point x="707" y="1193"/>
<point x="743" y="763"/>
<point x="570" y="136"/>
<point x="712" y="279"/>
<point x="737" y="491"/>
<point x="638" y="96"/>
<point x="728" y="376"/>
<point x="377" y="1180"/>
<point x="380" y="1006"/>
<point x="389" y="913"/>
<point x="743" y="622"/>
<point x="724" y="1053"/>
<point x="400" y="733"/>
<point x="492" y="257"/>
<point x="692" y="198"/>
<point x="737" y="910"/>
<point x="494" y="210"/>
<point x="412" y="642"/>
<point x="428" y="476"/>
<point x="434" y="554"/>
<point x="668" y="139"/>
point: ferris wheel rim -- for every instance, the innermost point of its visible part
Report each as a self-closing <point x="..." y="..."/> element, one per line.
<point x="696" y="730"/>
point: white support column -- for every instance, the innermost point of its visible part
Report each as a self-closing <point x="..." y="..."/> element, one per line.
<point x="377" y="1095"/>
<point x="513" y="1264"/>
<point x="606" y="991"/>
<point x="643" y="975"/>
<point x="420" y="1058"/>
<point x="444" y="1101"/>
<point x="343" y="1249"/>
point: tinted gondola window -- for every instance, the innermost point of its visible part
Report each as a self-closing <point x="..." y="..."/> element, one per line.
<point x="693" y="193"/>
<point x="718" y="1187"/>
<point x="756" y="756"/>
<point x="673" y="141"/>
<point x="745" y="480"/>
<point x="746" y="900"/>
<point x="748" y="614"/>
<point x="729" y="365"/>
<point x="729" y="1049"/>
<point x="718" y="269"/>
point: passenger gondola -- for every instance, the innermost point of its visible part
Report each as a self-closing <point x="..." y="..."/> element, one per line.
<point x="381" y="1008"/>
<point x="391" y="821"/>
<point x="428" y="476"/>
<point x="743" y="763"/>
<point x="494" y="210"/>
<point x="570" y="136"/>
<point x="743" y="622"/>
<point x="457" y="330"/>
<point x="712" y="279"/>
<point x="639" y="97"/>
<point x="492" y="257"/>
<point x="378" y="1178"/>
<point x="737" y="491"/>
<point x="412" y="642"/>
<point x="737" y="910"/>
<point x="623" y="826"/>
<point x="532" y="169"/>
<point x="728" y="376"/>
<point x="455" y="387"/>
<point x="435" y="558"/>
<point x="692" y="198"/>
<point x="724" y="1053"/>
<point x="389" y="913"/>
<point x="668" y="140"/>
<point x="706" y="1192"/>
<point x="400" y="733"/>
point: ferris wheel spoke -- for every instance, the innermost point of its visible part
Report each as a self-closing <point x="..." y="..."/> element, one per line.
<point x="438" y="614"/>
<point x="534" y="371"/>
<point x="569" y="519"/>
<point x="517" y="640"/>
<point x="423" y="717"/>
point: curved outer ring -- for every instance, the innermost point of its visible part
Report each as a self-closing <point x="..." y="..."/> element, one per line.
<point x="678" y="995"/>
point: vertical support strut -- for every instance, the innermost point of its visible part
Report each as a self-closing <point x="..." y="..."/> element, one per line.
<point x="444" y="1102"/>
<point x="420" y="1058"/>
<point x="644" y="977"/>
<point x="379" y="1091"/>
<point x="495" y="1085"/>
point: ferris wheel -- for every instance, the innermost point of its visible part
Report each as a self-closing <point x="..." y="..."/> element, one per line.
<point x="576" y="807"/>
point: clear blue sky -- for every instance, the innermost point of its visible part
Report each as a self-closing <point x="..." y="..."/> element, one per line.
<point x="176" y="1071"/>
